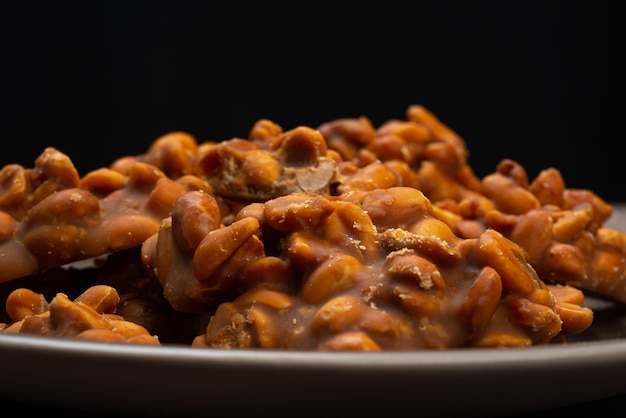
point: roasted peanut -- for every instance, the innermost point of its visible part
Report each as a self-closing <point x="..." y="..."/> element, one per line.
<point x="347" y="136"/>
<point x="482" y="300"/>
<point x="349" y="341"/>
<point x="24" y="302"/>
<point x="508" y="196"/>
<point x="508" y="260"/>
<point x="406" y="264"/>
<point x="264" y="131"/>
<point x="7" y="225"/>
<point x="548" y="187"/>
<point x="104" y="299"/>
<point x="350" y="228"/>
<point x="14" y="187"/>
<point x="260" y="170"/>
<point x="396" y="207"/>
<point x="194" y="215"/>
<point x="337" y="314"/>
<point x="297" y="211"/>
<point x="371" y="177"/>
<point x="219" y="245"/>
<point x="102" y="181"/>
<point x="335" y="273"/>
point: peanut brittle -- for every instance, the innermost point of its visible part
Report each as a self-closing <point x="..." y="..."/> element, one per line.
<point x="344" y="237"/>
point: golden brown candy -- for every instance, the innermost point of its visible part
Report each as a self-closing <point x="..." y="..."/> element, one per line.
<point x="347" y="236"/>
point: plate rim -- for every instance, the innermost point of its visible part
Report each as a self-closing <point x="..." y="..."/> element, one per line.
<point x="547" y="376"/>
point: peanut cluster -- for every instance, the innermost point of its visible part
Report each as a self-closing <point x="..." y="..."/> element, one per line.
<point x="344" y="237"/>
<point x="91" y="316"/>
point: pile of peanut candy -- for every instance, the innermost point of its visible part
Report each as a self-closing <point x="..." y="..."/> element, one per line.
<point x="342" y="237"/>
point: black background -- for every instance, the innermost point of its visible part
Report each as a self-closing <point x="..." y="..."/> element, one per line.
<point x="535" y="81"/>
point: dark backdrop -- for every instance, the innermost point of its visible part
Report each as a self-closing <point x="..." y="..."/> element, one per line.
<point x="535" y="81"/>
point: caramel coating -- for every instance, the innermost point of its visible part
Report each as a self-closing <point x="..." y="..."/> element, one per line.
<point x="344" y="237"/>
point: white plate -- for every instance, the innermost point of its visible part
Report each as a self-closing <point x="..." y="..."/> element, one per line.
<point x="183" y="381"/>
